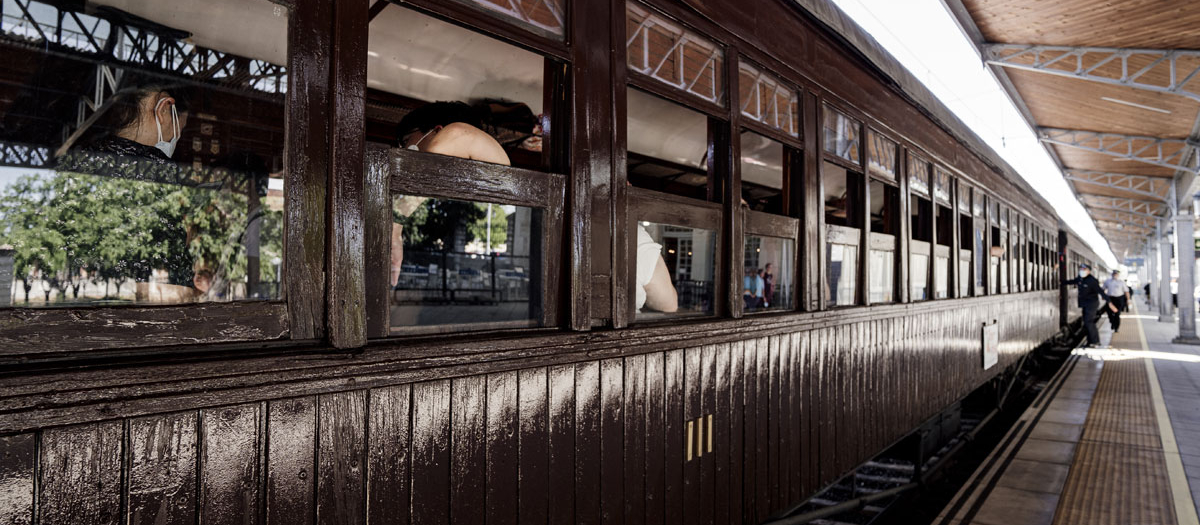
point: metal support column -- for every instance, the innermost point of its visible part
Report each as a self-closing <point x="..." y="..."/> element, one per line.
<point x="1166" y="312"/>
<point x="1187" y="265"/>
<point x="1151" y="275"/>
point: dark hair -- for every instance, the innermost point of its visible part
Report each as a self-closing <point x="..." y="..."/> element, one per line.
<point x="127" y="104"/>
<point x="430" y="116"/>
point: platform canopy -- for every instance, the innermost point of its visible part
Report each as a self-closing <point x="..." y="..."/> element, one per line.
<point x="1112" y="89"/>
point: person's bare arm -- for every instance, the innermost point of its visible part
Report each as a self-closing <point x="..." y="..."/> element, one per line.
<point x="660" y="293"/>
<point x="397" y="253"/>
<point x="466" y="141"/>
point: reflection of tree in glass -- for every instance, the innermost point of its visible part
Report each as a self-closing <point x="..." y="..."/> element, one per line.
<point x="437" y="223"/>
<point x="65" y="227"/>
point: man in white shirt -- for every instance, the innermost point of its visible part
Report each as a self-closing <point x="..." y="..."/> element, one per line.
<point x="1118" y="299"/>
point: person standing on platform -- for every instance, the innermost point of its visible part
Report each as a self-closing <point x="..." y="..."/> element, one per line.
<point x="1090" y="294"/>
<point x="1118" y="299"/>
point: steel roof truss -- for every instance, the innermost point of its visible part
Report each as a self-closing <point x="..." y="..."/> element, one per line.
<point x="1148" y="150"/>
<point x="1045" y="58"/>
<point x="1141" y="185"/>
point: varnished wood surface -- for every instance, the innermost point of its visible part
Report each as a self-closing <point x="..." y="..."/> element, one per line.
<point x="523" y="440"/>
<point x="1128" y="23"/>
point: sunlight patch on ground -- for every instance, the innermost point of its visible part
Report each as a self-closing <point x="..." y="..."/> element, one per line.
<point x="1120" y="354"/>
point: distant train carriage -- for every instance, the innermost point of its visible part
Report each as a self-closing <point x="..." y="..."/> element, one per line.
<point x="647" y="261"/>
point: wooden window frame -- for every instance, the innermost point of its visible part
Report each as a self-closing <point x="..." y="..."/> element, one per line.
<point x="300" y="312"/>
<point x="879" y="241"/>
<point x="827" y="231"/>
<point x="674" y="210"/>
<point x="398" y="171"/>
<point x="919" y="247"/>
<point x="761" y="224"/>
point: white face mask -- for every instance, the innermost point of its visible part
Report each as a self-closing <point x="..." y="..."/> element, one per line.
<point x="167" y="147"/>
<point x="1083" y="273"/>
<point x="414" y="145"/>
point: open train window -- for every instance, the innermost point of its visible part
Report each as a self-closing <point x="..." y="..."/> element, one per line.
<point x="842" y="182"/>
<point x="979" y="240"/>
<point x="668" y="147"/>
<point x="920" y="208"/>
<point x="883" y="165"/>
<point x="944" y="234"/>
<point x="996" y="248"/>
<point x="765" y="165"/>
<point x="1005" y="253"/>
<point x="143" y="166"/>
<point x="461" y="189"/>
<point x="965" y="232"/>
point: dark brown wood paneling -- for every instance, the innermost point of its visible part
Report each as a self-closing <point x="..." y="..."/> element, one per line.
<point x="587" y="442"/>
<point x="503" y="448"/>
<point x="341" y="458"/>
<point x="533" y="445"/>
<point x="676" y="440"/>
<point x="28" y="332"/>
<point x="17" y="478"/>
<point x="468" y="460"/>
<point x="635" y="414"/>
<point x="377" y="243"/>
<point x="291" y="449"/>
<point x="388" y="456"/>
<point x="161" y="488"/>
<point x="80" y="472"/>
<point x="612" y="449"/>
<point x="561" y="430"/>
<point x="231" y="444"/>
<point x="431" y="453"/>
<point x="655" y="450"/>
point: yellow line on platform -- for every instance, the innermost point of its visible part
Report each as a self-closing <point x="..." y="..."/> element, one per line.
<point x="1185" y="508"/>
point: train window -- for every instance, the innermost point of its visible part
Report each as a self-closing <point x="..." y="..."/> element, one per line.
<point x="921" y="230"/>
<point x="668" y="145"/>
<point x="885" y="217"/>
<point x="468" y="106"/>
<point x="544" y="17"/>
<point x="1033" y="258"/>
<point x="769" y="270"/>
<point x="662" y="50"/>
<point x="459" y="262"/>
<point x="965" y="232"/>
<point x="767" y="100"/>
<point x="996" y="249"/>
<point x="143" y="150"/>
<point x="763" y="168"/>
<point x="676" y="267"/>
<point x="426" y="76"/>
<point x="1005" y="270"/>
<point x="841" y="135"/>
<point x="843" y="186"/>
<point x="980" y="239"/>
<point x="944" y="235"/>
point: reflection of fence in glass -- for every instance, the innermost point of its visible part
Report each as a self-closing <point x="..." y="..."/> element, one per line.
<point x="446" y="277"/>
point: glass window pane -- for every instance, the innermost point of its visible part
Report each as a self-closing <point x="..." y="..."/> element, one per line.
<point x="127" y="182"/>
<point x="964" y="198"/>
<point x="663" y="50"/>
<point x="838" y="195"/>
<point x="459" y="262"/>
<point x="767" y="100"/>
<point x="883" y="270"/>
<point x="885" y="204"/>
<point x="768" y="273"/>
<point x="919" y="276"/>
<point x="667" y="145"/>
<point x="842" y="269"/>
<point x="964" y="281"/>
<point x="980" y="258"/>
<point x="542" y="16"/>
<point x="941" y="276"/>
<point x="941" y="186"/>
<point x="762" y="173"/>
<point x="841" y="135"/>
<point x="425" y="75"/>
<point x="675" y="269"/>
<point x="881" y="156"/>
<point x="918" y="175"/>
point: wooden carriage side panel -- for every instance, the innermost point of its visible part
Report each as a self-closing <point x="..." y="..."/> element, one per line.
<point x="231" y="445"/>
<point x="341" y="458"/>
<point x="79" y="474"/>
<point x="17" y="478"/>
<point x="673" y="408"/>
<point x="503" y="448"/>
<point x="636" y="493"/>
<point x="431" y="452"/>
<point x="533" y="446"/>
<point x="291" y="449"/>
<point x="161" y="456"/>
<point x="587" y="442"/>
<point x="612" y="493"/>
<point x="468" y="442"/>
<point x="561" y="435"/>
<point x="722" y="447"/>
<point x="656" y="439"/>
<point x="736" y="439"/>
<point x="389" y="455"/>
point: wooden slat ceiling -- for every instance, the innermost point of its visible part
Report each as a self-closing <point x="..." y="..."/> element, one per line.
<point x="1070" y="103"/>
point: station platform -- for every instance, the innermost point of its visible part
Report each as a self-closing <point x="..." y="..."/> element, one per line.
<point x="1114" y="438"/>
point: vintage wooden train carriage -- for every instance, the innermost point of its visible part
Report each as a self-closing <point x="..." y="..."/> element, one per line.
<point x="341" y="393"/>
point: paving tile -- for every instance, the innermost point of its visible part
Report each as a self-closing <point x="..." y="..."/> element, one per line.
<point x="1035" y="476"/>
<point x="1057" y="431"/>
<point x="1047" y="451"/>
<point x="1077" y="394"/>
<point x="1007" y="506"/>
<point x="1057" y="415"/>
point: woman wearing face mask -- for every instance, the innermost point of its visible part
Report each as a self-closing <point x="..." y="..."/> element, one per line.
<point x="144" y="122"/>
<point x="444" y="128"/>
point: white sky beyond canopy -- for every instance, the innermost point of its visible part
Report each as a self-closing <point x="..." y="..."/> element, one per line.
<point x="922" y="35"/>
